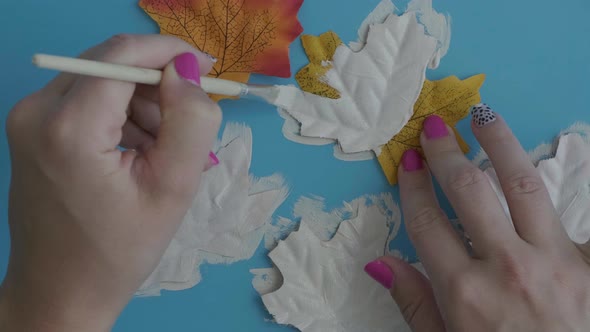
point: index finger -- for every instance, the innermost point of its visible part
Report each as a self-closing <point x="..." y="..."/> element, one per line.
<point x="97" y="107"/>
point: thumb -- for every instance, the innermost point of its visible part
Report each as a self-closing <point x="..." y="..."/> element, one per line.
<point x="411" y="291"/>
<point x="189" y="124"/>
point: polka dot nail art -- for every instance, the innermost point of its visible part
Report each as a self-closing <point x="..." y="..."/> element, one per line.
<point x="482" y="115"/>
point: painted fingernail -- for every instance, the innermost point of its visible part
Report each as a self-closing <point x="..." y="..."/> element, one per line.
<point x="187" y="66"/>
<point x="435" y="127"/>
<point x="213" y="160"/>
<point x="412" y="161"/>
<point x="381" y="273"/>
<point x="482" y="115"/>
<point x="212" y="58"/>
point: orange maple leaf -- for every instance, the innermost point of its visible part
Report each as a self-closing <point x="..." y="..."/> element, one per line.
<point x="246" y="36"/>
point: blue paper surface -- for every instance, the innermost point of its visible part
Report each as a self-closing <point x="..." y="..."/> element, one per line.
<point x="535" y="55"/>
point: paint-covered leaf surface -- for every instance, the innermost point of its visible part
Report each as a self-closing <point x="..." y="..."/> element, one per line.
<point x="246" y="36"/>
<point x="450" y="98"/>
<point x="320" y="51"/>
<point x="378" y="86"/>
<point x="564" y="167"/>
<point x="227" y="219"/>
<point x="324" y="286"/>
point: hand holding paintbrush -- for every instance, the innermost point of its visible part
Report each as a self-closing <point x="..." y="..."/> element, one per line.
<point x="152" y="77"/>
<point x="87" y="215"/>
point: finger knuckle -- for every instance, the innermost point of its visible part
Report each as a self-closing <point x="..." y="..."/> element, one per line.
<point x="516" y="272"/>
<point x="464" y="289"/>
<point x="466" y="179"/>
<point x="526" y="183"/>
<point x="204" y="111"/>
<point x="425" y="220"/>
<point x="415" y="185"/>
<point x="18" y="117"/>
<point x="411" y="309"/>
<point x="57" y="131"/>
<point x="119" y="44"/>
<point x="120" y="39"/>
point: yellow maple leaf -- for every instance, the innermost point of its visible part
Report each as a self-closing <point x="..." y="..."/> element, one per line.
<point x="451" y="99"/>
<point x="320" y="51"/>
<point x="246" y="36"/>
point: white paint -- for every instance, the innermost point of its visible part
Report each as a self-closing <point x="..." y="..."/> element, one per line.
<point x="292" y="128"/>
<point x="323" y="224"/>
<point x="325" y="287"/>
<point x="227" y="219"/>
<point x="277" y="231"/>
<point x="377" y="16"/>
<point x="567" y="177"/>
<point x="437" y="25"/>
<point x="291" y="131"/>
<point x="266" y="280"/>
<point x="378" y="85"/>
<point x="359" y="156"/>
<point x="543" y="151"/>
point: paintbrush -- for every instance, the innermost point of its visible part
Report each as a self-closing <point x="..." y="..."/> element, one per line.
<point x="268" y="93"/>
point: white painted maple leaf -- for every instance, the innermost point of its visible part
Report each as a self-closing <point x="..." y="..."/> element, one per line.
<point x="565" y="170"/>
<point x="227" y="220"/>
<point x="379" y="86"/>
<point x="436" y="25"/>
<point x="324" y="286"/>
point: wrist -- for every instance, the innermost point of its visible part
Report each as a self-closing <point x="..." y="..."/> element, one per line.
<point x="22" y="310"/>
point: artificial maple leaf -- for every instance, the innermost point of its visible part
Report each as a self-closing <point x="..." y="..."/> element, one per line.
<point x="450" y="99"/>
<point x="227" y="219"/>
<point x="246" y="36"/>
<point x="378" y="87"/>
<point x="320" y="51"/>
<point x="316" y="271"/>
<point x="564" y="167"/>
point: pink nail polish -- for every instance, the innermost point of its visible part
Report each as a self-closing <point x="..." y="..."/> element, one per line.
<point x="381" y="273"/>
<point x="435" y="127"/>
<point x="213" y="160"/>
<point x="412" y="161"/>
<point x="187" y="66"/>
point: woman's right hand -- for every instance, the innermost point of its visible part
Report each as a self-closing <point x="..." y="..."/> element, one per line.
<point x="530" y="277"/>
<point x="88" y="221"/>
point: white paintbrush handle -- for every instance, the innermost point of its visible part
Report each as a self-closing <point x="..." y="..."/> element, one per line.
<point x="130" y="74"/>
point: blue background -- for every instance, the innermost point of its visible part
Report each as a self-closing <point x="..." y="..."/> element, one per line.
<point x="535" y="53"/>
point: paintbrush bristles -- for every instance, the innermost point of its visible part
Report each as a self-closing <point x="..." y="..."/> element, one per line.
<point x="268" y="93"/>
